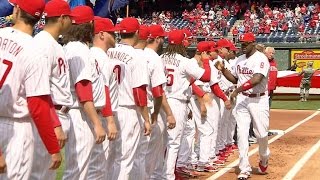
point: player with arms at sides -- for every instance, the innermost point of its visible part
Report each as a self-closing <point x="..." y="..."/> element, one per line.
<point x="50" y="52"/>
<point x="88" y="93"/>
<point x="251" y="76"/>
<point x="25" y="94"/>
<point x="104" y="38"/>
<point x="305" y="83"/>
<point x="179" y="70"/>
<point x="132" y="110"/>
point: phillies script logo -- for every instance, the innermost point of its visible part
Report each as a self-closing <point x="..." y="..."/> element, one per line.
<point x="244" y="70"/>
<point x="307" y="55"/>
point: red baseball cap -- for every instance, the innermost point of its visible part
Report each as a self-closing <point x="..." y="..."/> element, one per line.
<point x="175" y="37"/>
<point x="103" y="25"/>
<point x="187" y="33"/>
<point x="56" y="8"/>
<point x="33" y="7"/>
<point x="82" y="14"/>
<point x="223" y="43"/>
<point x="144" y="32"/>
<point x="156" y="31"/>
<point x="203" y="46"/>
<point x="232" y="47"/>
<point x="129" y="25"/>
<point x="212" y="45"/>
<point x="247" y="37"/>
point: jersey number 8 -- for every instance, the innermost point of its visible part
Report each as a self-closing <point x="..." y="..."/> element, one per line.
<point x="6" y="72"/>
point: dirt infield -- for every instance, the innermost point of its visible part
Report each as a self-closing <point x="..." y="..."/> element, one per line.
<point x="286" y="150"/>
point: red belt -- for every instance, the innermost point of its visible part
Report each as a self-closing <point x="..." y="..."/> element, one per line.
<point x="253" y="95"/>
<point x="63" y="109"/>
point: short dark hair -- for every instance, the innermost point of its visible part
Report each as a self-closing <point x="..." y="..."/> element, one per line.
<point x="27" y="18"/>
<point x="127" y="35"/>
<point x="150" y="41"/>
<point x="49" y="20"/>
<point x="82" y="32"/>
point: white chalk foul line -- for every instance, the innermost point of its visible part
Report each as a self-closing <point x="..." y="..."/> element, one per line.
<point x="296" y="168"/>
<point x="253" y="151"/>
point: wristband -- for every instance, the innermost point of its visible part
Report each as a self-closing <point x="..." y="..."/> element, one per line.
<point x="247" y="85"/>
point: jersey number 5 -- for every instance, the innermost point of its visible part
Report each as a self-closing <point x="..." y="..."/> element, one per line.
<point x="6" y="72"/>
<point x="170" y="77"/>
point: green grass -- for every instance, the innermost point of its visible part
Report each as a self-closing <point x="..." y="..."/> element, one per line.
<point x="295" y="105"/>
<point x="61" y="168"/>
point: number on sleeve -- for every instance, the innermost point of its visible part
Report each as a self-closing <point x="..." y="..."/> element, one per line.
<point x="6" y="72"/>
<point x="170" y="77"/>
<point x="262" y="65"/>
<point x="97" y="66"/>
<point x="117" y="71"/>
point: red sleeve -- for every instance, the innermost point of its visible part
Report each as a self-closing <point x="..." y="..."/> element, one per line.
<point x="39" y="108"/>
<point x="0" y="152"/>
<point x="107" y="110"/>
<point x="140" y="95"/>
<point x="192" y="80"/>
<point x="197" y="90"/>
<point x="157" y="91"/>
<point x="207" y="71"/>
<point x="216" y="90"/>
<point x="84" y="90"/>
<point x="54" y="117"/>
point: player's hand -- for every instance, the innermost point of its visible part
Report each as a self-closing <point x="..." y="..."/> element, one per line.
<point x="171" y="122"/>
<point x="219" y="65"/>
<point x="112" y="130"/>
<point x="100" y="134"/>
<point x="56" y="160"/>
<point x="207" y="99"/>
<point x="154" y="118"/>
<point x="61" y="137"/>
<point x="227" y="104"/>
<point x="233" y="97"/>
<point x="205" y="55"/>
<point x="147" y="128"/>
<point x="203" y="110"/>
<point x="3" y="164"/>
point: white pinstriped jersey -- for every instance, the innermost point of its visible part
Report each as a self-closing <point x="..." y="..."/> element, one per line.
<point x="110" y="69"/>
<point x="156" y="72"/>
<point x="246" y="68"/>
<point x="48" y="49"/>
<point x="224" y="83"/>
<point x="179" y="69"/>
<point x="84" y="67"/>
<point x="135" y="73"/>
<point x="21" y="75"/>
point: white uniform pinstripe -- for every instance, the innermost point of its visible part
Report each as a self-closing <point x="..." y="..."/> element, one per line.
<point x="155" y="149"/>
<point x="21" y="77"/>
<point x="179" y="70"/>
<point x="81" y="139"/>
<point x="255" y="107"/>
<point x="134" y="74"/>
<point x="50" y="52"/>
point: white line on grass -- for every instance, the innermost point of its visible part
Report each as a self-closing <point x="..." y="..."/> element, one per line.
<point x="297" y="167"/>
<point x="253" y="151"/>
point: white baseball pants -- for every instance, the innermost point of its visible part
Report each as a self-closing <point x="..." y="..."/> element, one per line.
<point x="222" y="126"/>
<point x="17" y="145"/>
<point x="214" y="112"/>
<point x="231" y="126"/>
<point x="79" y="147"/>
<point x="40" y="167"/>
<point x="179" y="110"/>
<point x="156" y="148"/>
<point x="258" y="109"/>
<point x="126" y="144"/>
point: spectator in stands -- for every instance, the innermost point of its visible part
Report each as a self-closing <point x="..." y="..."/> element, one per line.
<point x="272" y="80"/>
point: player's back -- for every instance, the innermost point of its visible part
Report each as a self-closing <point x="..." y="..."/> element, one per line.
<point x="134" y="75"/>
<point x="179" y="70"/>
<point x="14" y="64"/>
<point x="49" y="49"/>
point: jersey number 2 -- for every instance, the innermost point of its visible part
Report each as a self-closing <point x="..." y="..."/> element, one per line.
<point x="6" y="72"/>
<point x="170" y="77"/>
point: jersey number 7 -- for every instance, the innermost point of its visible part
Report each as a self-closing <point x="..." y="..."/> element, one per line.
<point x="170" y="77"/>
<point x="6" y="72"/>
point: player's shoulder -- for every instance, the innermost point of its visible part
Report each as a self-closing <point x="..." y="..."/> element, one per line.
<point x="76" y="47"/>
<point x="259" y="55"/>
<point x="97" y="52"/>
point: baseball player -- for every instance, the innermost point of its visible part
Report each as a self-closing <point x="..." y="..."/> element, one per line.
<point x="305" y="83"/>
<point x="50" y="52"/>
<point x="104" y="39"/>
<point x="251" y="75"/>
<point x="2" y="163"/>
<point x="25" y="95"/>
<point x="88" y="93"/>
<point x="179" y="69"/>
<point x="156" y="97"/>
<point x="132" y="110"/>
